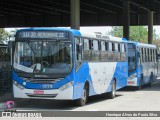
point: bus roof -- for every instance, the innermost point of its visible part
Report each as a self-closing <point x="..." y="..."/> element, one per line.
<point x="75" y="32"/>
<point x="89" y="35"/>
<point x="142" y="44"/>
<point x="101" y="36"/>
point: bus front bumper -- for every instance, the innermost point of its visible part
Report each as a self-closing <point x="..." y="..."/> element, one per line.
<point x="56" y="94"/>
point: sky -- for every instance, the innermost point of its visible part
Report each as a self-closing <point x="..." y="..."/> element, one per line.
<point x="102" y="29"/>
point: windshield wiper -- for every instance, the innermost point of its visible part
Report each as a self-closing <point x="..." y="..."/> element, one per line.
<point x="31" y="47"/>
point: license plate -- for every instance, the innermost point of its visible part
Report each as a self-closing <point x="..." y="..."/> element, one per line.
<point x="38" y="92"/>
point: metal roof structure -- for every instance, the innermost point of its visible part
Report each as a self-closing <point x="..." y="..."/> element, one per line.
<point x="47" y="13"/>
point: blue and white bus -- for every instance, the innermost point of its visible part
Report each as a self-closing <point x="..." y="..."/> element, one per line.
<point x="142" y="64"/>
<point x="66" y="64"/>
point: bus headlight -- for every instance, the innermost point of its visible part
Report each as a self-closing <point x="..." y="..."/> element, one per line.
<point x="64" y="87"/>
<point x="18" y="85"/>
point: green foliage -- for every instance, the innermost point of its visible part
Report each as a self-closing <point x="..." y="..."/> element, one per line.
<point x="3" y="35"/>
<point x="137" y="33"/>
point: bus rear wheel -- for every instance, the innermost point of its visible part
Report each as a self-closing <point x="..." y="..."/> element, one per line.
<point x="140" y="83"/>
<point x="151" y="80"/>
<point x="82" y="101"/>
<point x="112" y="94"/>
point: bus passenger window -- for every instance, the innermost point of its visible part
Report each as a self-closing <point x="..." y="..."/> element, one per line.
<point x="95" y="51"/>
<point x="148" y="55"/>
<point x="86" y="44"/>
<point x="103" y="46"/>
<point x="144" y="54"/>
<point x="151" y="54"/>
<point x="154" y="55"/>
<point x="104" y="53"/>
<point x="117" y="52"/>
<point x="116" y="47"/>
<point x="95" y="45"/>
<point x="141" y="54"/>
<point x="123" y="52"/>
<point x="111" y="53"/>
<point x="87" y="49"/>
<point x="110" y="46"/>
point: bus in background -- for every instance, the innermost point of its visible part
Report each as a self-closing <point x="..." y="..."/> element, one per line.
<point x="66" y="64"/>
<point x="142" y="64"/>
<point x="5" y="69"/>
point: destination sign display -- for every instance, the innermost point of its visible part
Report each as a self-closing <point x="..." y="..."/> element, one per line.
<point x="43" y="34"/>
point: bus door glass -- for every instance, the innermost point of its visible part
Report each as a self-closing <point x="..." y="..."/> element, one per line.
<point x="131" y="57"/>
<point x="78" y="48"/>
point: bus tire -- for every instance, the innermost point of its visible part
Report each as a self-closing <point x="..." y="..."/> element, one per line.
<point x="112" y="94"/>
<point x="82" y="101"/>
<point x="151" y="80"/>
<point x="140" y="84"/>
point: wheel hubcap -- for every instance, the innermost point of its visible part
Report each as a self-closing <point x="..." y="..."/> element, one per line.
<point x="84" y="96"/>
<point x="114" y="91"/>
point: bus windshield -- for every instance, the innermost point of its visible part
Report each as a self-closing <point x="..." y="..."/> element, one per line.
<point x="43" y="57"/>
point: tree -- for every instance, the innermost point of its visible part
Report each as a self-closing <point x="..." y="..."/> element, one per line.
<point x="137" y="33"/>
<point x="3" y="35"/>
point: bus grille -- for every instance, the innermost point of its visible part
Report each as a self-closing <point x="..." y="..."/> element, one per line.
<point x="42" y="95"/>
<point x="42" y="81"/>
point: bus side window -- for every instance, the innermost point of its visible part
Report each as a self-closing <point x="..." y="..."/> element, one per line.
<point x="117" y="52"/>
<point x="154" y="55"/>
<point x="86" y="44"/>
<point x="95" y="51"/>
<point x="144" y="55"/>
<point x="87" y="49"/>
<point x="151" y="55"/>
<point x="110" y="57"/>
<point x="139" y="56"/>
<point x="147" y="54"/>
<point x="104" y="53"/>
<point x="123" y="52"/>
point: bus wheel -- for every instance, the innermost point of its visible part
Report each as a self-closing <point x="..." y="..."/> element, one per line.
<point x="140" y="84"/>
<point x="151" y="80"/>
<point x="82" y="101"/>
<point x="112" y="94"/>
